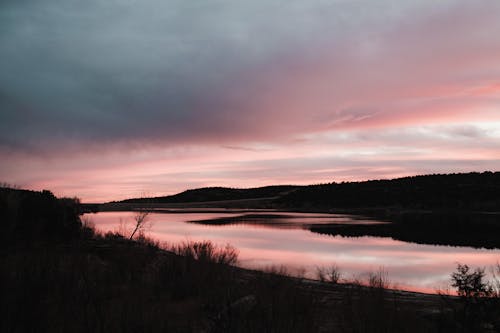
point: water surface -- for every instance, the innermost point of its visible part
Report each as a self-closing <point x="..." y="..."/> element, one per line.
<point x="266" y="239"/>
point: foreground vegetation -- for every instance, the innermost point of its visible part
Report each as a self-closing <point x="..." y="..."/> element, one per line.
<point x="59" y="275"/>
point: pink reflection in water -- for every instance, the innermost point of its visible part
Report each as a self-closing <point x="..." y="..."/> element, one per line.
<point x="409" y="266"/>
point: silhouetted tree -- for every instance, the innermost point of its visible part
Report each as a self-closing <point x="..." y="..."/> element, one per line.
<point x="141" y="219"/>
<point x="475" y="294"/>
<point x="470" y="283"/>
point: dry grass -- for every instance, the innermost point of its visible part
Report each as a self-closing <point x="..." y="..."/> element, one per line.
<point x="330" y="274"/>
<point x="206" y="251"/>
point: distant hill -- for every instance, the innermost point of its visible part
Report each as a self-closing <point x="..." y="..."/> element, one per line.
<point x="207" y="194"/>
<point x="465" y="191"/>
<point x="462" y="191"/>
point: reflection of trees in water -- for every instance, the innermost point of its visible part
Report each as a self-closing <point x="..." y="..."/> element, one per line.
<point x="475" y="230"/>
<point x="282" y="221"/>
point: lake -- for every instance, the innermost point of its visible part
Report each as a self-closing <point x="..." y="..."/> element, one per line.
<point x="267" y="238"/>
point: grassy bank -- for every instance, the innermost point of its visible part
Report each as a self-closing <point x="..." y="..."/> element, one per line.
<point x="112" y="284"/>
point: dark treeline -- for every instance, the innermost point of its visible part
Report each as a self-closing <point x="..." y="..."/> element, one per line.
<point x="446" y="228"/>
<point x="217" y="194"/>
<point x="466" y="191"/>
<point x="452" y="229"/>
<point x="462" y="191"/>
<point x="454" y="209"/>
<point x="28" y="216"/>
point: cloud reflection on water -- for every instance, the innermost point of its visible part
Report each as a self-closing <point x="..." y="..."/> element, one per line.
<point x="409" y="265"/>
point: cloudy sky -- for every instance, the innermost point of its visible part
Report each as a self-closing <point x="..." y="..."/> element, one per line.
<point x="106" y="99"/>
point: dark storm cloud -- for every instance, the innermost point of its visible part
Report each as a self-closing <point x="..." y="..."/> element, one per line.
<point x="163" y="71"/>
<point x="95" y="72"/>
<point x="99" y="71"/>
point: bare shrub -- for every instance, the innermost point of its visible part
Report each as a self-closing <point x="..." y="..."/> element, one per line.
<point x="110" y="235"/>
<point x="378" y="279"/>
<point x="330" y="274"/>
<point x="141" y="222"/>
<point x="147" y="241"/>
<point x="206" y="251"/>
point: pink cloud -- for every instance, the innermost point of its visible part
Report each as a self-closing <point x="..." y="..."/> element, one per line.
<point x="412" y="95"/>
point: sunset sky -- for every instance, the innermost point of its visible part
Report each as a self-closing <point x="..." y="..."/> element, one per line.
<point x="108" y="99"/>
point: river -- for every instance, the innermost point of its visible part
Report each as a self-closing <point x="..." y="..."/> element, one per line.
<point x="273" y="239"/>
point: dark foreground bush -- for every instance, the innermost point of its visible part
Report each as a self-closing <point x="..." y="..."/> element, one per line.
<point x="28" y="216"/>
<point x="116" y="285"/>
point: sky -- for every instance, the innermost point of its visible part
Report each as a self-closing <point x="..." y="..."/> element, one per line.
<point x="106" y="100"/>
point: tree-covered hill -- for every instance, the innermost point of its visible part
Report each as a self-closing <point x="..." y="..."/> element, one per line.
<point x="462" y="191"/>
<point x="218" y="194"/>
<point x="466" y="191"/>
